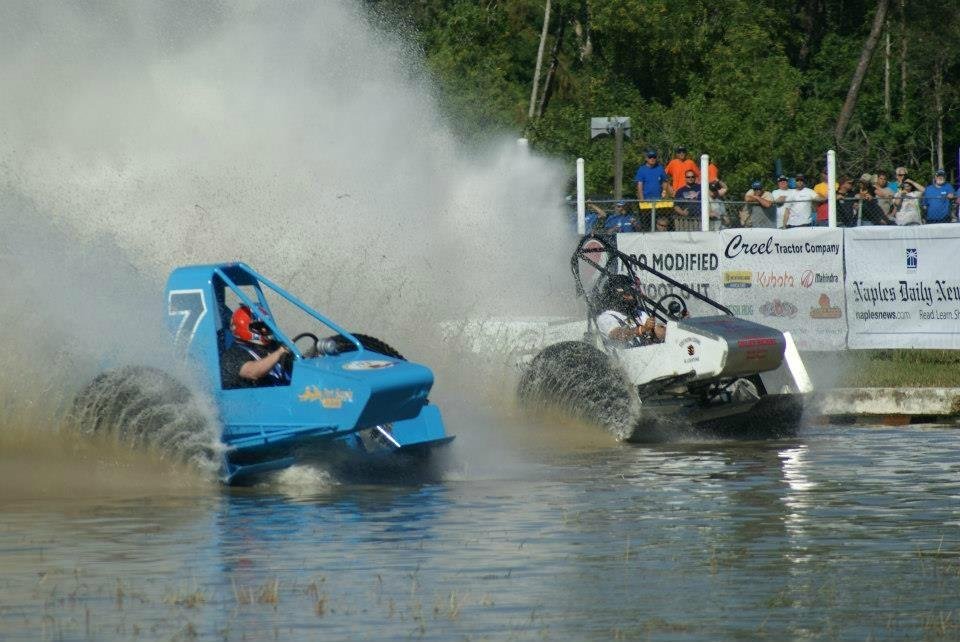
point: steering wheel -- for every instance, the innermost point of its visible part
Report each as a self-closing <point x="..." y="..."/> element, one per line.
<point x="314" y="350"/>
<point x="674" y="306"/>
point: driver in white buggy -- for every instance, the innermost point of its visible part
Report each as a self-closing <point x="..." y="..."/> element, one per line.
<point x="623" y="323"/>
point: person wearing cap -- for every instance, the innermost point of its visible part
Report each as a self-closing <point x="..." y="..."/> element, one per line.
<point x="720" y="217"/>
<point x="620" y="220"/>
<point x="651" y="179"/>
<point x="846" y="203"/>
<point x="759" y="207"/>
<point x="678" y="167"/>
<point x="780" y="196"/>
<point x="800" y="204"/>
<point x="596" y="219"/>
<point x="938" y="199"/>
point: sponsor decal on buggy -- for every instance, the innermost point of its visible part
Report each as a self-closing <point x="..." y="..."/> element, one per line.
<point x="367" y="364"/>
<point x="755" y="348"/>
<point x="824" y="309"/>
<point x="737" y="279"/>
<point x="692" y="347"/>
<point x="810" y="278"/>
<point x="778" y="308"/>
<point x="327" y="397"/>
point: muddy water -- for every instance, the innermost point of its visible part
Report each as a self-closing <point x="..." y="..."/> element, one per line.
<point x="841" y="533"/>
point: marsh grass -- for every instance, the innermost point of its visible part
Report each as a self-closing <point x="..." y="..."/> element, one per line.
<point x="191" y="598"/>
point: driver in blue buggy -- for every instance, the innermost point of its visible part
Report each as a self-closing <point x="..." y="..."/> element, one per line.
<point x="254" y="359"/>
<point x="623" y="323"/>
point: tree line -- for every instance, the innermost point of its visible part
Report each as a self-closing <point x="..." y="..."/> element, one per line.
<point x="749" y="82"/>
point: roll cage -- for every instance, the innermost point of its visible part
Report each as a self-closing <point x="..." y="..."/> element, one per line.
<point x="593" y="247"/>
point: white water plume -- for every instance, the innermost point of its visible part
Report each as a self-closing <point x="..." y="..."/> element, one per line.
<point x="139" y="136"/>
<point x="293" y="136"/>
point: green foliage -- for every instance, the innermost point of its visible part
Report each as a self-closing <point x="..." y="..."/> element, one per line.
<point x="748" y="82"/>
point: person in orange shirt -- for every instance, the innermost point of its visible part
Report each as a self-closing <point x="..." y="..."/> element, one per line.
<point x="678" y="167"/>
<point x="713" y="174"/>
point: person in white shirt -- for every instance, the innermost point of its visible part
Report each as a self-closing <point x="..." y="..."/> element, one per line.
<point x="780" y="197"/>
<point x="800" y="204"/>
<point x="906" y="203"/>
<point x="622" y="322"/>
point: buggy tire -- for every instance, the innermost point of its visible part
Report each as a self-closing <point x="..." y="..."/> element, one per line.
<point x="369" y="343"/>
<point x="146" y="408"/>
<point x="579" y="379"/>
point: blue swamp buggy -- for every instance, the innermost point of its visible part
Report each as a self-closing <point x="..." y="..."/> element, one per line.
<point x="349" y="393"/>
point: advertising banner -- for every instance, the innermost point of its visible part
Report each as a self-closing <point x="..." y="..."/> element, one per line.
<point x="791" y="280"/>
<point x="692" y="258"/>
<point x="903" y="286"/>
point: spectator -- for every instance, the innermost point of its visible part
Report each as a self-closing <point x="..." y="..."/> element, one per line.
<point x="719" y="218"/>
<point x="759" y="207"/>
<point x="664" y="222"/>
<point x="846" y="203"/>
<point x="870" y="211"/>
<point x="823" y="209"/>
<point x="884" y="194"/>
<point x="800" y="205"/>
<point x="620" y="220"/>
<point x="678" y="167"/>
<point x="906" y="203"/>
<point x="900" y="173"/>
<point x="938" y="199"/>
<point x="596" y="219"/>
<point x="780" y="197"/>
<point x="686" y="204"/>
<point x="652" y="181"/>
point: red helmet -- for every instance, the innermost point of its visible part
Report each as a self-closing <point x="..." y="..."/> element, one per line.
<point x="245" y="328"/>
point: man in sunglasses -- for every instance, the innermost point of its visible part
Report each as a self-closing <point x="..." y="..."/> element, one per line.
<point x="255" y="359"/>
<point x="686" y="204"/>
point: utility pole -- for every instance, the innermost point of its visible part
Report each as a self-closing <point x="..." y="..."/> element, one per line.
<point x="619" y="128"/>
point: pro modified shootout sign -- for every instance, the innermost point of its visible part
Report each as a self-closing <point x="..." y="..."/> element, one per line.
<point x="692" y="258"/>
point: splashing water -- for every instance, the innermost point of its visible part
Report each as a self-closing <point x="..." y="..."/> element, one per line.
<point x="141" y="136"/>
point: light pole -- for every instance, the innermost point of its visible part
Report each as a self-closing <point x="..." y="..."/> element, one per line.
<point x="619" y="128"/>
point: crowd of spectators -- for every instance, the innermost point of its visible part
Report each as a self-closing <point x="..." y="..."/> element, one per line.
<point x="669" y="198"/>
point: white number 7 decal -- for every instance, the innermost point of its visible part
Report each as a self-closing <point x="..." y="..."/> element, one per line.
<point x="191" y="307"/>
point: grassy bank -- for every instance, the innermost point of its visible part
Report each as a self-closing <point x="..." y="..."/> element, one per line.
<point x="886" y="368"/>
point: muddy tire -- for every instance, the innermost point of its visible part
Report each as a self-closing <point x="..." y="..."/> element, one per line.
<point x="369" y="343"/>
<point x="147" y="408"/>
<point x="578" y="379"/>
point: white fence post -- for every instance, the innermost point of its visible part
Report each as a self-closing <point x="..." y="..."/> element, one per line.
<point x="704" y="193"/>
<point x="832" y="187"/>
<point x="581" y="200"/>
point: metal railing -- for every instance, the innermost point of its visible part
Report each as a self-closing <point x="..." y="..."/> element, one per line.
<point x="668" y="214"/>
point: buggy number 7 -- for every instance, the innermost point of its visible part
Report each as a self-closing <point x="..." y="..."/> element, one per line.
<point x="191" y="307"/>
